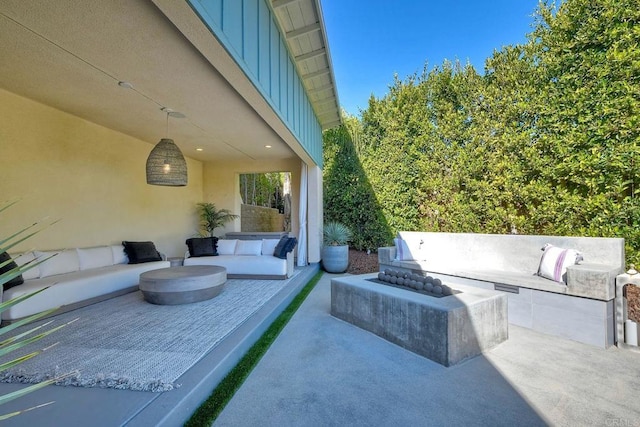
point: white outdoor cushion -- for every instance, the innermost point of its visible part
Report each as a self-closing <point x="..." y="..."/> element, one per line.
<point x="555" y="260"/>
<point x="95" y="257"/>
<point x="234" y="264"/>
<point x="75" y="287"/>
<point x="269" y="246"/>
<point x="403" y="252"/>
<point x="32" y="273"/>
<point x="248" y="247"/>
<point x="227" y="247"/>
<point x="63" y="262"/>
<point x="119" y="256"/>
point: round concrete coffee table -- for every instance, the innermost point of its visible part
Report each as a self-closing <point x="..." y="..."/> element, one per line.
<point x="182" y="285"/>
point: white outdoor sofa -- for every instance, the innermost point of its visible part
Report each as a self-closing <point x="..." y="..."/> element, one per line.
<point x="581" y="308"/>
<point x="75" y="277"/>
<point x="248" y="259"/>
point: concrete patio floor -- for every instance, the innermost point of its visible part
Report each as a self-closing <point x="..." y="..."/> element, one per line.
<point x="97" y="407"/>
<point x="322" y="371"/>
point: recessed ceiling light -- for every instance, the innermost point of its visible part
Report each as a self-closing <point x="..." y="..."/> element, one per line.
<point x="267" y="146"/>
<point x="199" y="149"/>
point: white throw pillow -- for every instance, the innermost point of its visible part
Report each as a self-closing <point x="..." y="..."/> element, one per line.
<point x="554" y="262"/>
<point x="403" y="253"/>
<point x="95" y="257"/>
<point x="249" y="247"/>
<point x="269" y="246"/>
<point x="119" y="255"/>
<point x="227" y="247"/>
<point x="63" y="262"/>
<point x="32" y="273"/>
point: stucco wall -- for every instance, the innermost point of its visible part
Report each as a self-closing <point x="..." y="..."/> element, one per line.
<point x="90" y="178"/>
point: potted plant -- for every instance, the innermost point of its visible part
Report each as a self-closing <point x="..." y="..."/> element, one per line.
<point x="335" y="252"/>
<point x="212" y="218"/>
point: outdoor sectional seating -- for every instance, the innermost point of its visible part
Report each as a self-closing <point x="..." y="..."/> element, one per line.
<point x="76" y="277"/>
<point x="248" y="259"/>
<point x="579" y="305"/>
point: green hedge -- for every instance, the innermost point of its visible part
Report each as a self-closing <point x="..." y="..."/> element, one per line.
<point x="546" y="141"/>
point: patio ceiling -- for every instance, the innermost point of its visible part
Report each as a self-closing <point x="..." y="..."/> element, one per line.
<point x="73" y="55"/>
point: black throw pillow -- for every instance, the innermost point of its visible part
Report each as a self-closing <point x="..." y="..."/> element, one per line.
<point x="202" y="246"/>
<point x="18" y="280"/>
<point x="279" y="249"/>
<point x="284" y="246"/>
<point x="141" y="252"/>
<point x="291" y="244"/>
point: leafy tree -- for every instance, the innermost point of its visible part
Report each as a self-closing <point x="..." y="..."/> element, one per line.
<point x="348" y="196"/>
<point x="545" y="142"/>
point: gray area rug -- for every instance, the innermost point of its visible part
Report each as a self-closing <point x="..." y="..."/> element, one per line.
<point x="127" y="343"/>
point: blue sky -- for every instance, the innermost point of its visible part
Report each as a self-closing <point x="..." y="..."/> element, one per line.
<point x="371" y="40"/>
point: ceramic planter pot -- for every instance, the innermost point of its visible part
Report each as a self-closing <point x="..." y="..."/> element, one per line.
<point x="335" y="259"/>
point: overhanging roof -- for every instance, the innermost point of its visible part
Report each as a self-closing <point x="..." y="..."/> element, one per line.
<point x="302" y="24"/>
<point x="72" y="56"/>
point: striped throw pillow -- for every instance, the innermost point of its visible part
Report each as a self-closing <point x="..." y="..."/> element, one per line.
<point x="554" y="262"/>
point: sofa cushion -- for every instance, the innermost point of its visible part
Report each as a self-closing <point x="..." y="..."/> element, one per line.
<point x="227" y="246"/>
<point x="555" y="260"/>
<point x="76" y="287"/>
<point x="249" y="247"/>
<point x="10" y="265"/>
<point x="28" y="257"/>
<point x="95" y="257"/>
<point x="119" y="255"/>
<point x="58" y="262"/>
<point x="202" y="246"/>
<point x="269" y="246"/>
<point x="141" y="252"/>
<point x="244" y="265"/>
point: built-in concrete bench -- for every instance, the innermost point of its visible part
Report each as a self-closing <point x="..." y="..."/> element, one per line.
<point x="582" y="309"/>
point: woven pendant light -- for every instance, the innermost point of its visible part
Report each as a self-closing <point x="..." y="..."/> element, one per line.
<point x="166" y="164"/>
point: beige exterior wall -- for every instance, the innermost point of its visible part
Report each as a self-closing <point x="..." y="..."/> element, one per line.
<point x="90" y="178"/>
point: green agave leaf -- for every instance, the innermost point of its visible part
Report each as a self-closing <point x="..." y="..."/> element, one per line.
<point x="27" y="341"/>
<point x="22" y="392"/>
<point x="19" y="360"/>
<point x="8" y="205"/>
<point x="26" y="320"/>
<point x="24" y="334"/>
<point x="6" y="304"/>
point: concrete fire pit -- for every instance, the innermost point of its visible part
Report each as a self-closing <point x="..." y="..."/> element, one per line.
<point x="446" y="330"/>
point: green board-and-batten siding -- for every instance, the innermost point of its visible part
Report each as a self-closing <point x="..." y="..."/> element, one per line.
<point x="250" y="34"/>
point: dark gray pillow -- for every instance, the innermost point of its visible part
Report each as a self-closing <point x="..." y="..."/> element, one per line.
<point x="141" y="252"/>
<point x="280" y="246"/>
<point x="18" y="280"/>
<point x="202" y="246"/>
<point x="284" y="246"/>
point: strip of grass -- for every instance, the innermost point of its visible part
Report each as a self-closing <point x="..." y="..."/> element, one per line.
<point x="211" y="408"/>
